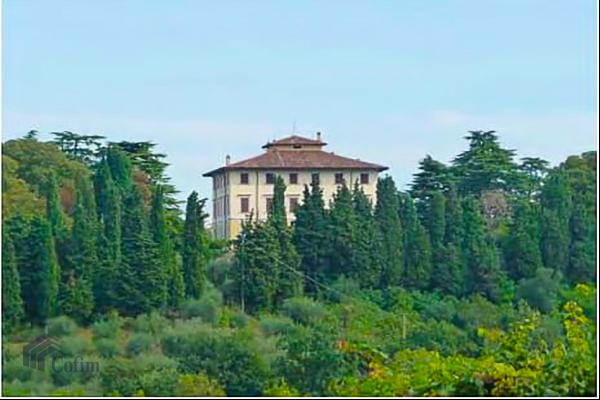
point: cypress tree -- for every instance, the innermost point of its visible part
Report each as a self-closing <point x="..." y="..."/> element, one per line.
<point x="342" y="233"/>
<point x="258" y="267"/>
<point x="556" y="210"/>
<point x="76" y="294"/>
<point x="582" y="249"/>
<point x="55" y="217"/>
<point x="310" y="236"/>
<point x="417" y="249"/>
<point x="290" y="282"/>
<point x="174" y="290"/>
<point x="388" y="220"/>
<point x="39" y="273"/>
<point x="367" y="258"/>
<point x="522" y="249"/>
<point x="480" y="253"/>
<point x="107" y="275"/>
<point x="12" y="304"/>
<point x="120" y="168"/>
<point x="195" y="246"/>
<point x="142" y="284"/>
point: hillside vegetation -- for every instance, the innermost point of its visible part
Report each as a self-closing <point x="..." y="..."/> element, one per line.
<point x="478" y="281"/>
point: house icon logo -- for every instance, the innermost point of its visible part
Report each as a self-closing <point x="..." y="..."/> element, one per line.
<point x="36" y="351"/>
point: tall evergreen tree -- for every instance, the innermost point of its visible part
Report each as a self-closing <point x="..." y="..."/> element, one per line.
<point x="12" y="304"/>
<point x="388" y="219"/>
<point x="485" y="165"/>
<point x="76" y="297"/>
<point x="107" y="275"/>
<point x="195" y="246"/>
<point x="367" y="251"/>
<point x="433" y="176"/>
<point x="290" y="282"/>
<point x="174" y="290"/>
<point x="310" y="236"/>
<point x="556" y="202"/>
<point x="582" y="249"/>
<point x="120" y="168"/>
<point x="448" y="272"/>
<point x="417" y="248"/>
<point x="142" y="283"/>
<point x="258" y="267"/>
<point x="522" y="248"/>
<point x="483" y="273"/>
<point x="342" y="233"/>
<point x="39" y="271"/>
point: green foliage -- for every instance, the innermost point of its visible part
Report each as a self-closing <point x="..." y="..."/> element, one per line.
<point x="541" y="290"/>
<point x="311" y="360"/>
<point x="207" y="308"/>
<point x="39" y="272"/>
<point x="195" y="246"/>
<point x="108" y="327"/>
<point x="386" y="214"/>
<point x="304" y="310"/>
<point x="73" y="346"/>
<point x="12" y="304"/>
<point x="107" y="348"/>
<point x="417" y="247"/>
<point x="276" y="324"/>
<point x="198" y="385"/>
<point x="61" y="326"/>
<point x="229" y="357"/>
<point x="139" y="343"/>
<point x="310" y="236"/>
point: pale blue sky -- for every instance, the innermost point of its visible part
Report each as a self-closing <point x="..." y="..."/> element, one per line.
<point x="385" y="81"/>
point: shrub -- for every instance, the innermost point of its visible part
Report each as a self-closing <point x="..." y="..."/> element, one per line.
<point x="230" y="357"/>
<point x="14" y="370"/>
<point x="304" y="310"/>
<point x="198" y="385"/>
<point x="138" y="343"/>
<point x="540" y="291"/>
<point x="276" y="324"/>
<point x="218" y="269"/>
<point x="108" y="328"/>
<point x="152" y="323"/>
<point x="61" y="326"/>
<point x="208" y="307"/>
<point x="73" y="346"/>
<point x="107" y="348"/>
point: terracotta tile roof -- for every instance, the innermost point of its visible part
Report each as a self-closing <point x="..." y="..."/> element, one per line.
<point x="299" y="159"/>
<point x="294" y="139"/>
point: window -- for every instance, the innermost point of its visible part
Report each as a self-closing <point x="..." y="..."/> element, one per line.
<point x="270" y="178"/>
<point x="269" y="204"/>
<point x="315" y="178"/>
<point x="364" y="179"/>
<point x="244" y="178"/>
<point x="339" y="178"/>
<point x="293" y="178"/>
<point x="245" y="204"/>
<point x="293" y="204"/>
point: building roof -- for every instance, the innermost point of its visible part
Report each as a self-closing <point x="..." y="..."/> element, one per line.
<point x="294" y="139"/>
<point x="299" y="159"/>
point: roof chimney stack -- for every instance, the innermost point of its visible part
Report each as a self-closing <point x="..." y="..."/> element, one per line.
<point x="319" y="136"/>
<point x="227" y="159"/>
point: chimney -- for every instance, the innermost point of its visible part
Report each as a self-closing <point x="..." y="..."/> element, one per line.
<point x="319" y="136"/>
<point x="227" y="159"/>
